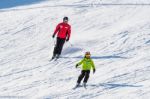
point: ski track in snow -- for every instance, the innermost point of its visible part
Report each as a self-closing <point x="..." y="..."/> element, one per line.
<point x="116" y="32"/>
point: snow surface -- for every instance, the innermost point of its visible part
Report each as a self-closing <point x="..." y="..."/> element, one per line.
<point x="117" y="32"/>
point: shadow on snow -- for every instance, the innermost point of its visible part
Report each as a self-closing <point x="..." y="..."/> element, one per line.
<point x="99" y="57"/>
<point x="111" y="86"/>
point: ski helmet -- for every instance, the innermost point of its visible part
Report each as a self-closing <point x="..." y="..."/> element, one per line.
<point x="87" y="53"/>
<point x="65" y="18"/>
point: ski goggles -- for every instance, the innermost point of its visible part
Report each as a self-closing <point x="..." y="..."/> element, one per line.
<point x="65" y="20"/>
<point x="88" y="55"/>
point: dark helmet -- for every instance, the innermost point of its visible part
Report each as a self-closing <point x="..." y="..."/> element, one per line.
<point x="87" y="53"/>
<point x="65" y="18"/>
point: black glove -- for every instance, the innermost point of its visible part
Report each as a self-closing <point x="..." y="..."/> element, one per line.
<point x="53" y="36"/>
<point x="67" y="39"/>
<point x="94" y="71"/>
<point x="77" y="65"/>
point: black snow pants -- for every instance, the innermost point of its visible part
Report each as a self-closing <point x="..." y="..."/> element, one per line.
<point x="84" y="74"/>
<point x="59" y="46"/>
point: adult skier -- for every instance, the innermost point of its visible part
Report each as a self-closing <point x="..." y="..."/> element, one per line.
<point x="87" y="63"/>
<point x="63" y="31"/>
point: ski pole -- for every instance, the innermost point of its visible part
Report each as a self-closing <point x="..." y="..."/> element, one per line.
<point x="70" y="44"/>
<point x="54" y="41"/>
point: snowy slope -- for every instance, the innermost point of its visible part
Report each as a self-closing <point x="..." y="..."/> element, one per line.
<point x="118" y="37"/>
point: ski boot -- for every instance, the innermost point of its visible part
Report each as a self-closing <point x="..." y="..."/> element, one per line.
<point x="54" y="55"/>
<point x="77" y="85"/>
<point x="84" y="84"/>
<point x="57" y="56"/>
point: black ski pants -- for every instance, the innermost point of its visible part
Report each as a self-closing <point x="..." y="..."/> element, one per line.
<point x="84" y="74"/>
<point x="59" y="46"/>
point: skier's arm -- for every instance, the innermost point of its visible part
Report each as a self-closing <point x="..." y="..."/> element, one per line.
<point x="57" y="29"/>
<point x="93" y="66"/>
<point x="79" y="63"/>
<point x="69" y="32"/>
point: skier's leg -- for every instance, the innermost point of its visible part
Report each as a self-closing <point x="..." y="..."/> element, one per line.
<point x="81" y="76"/>
<point x="87" y="73"/>
<point x="54" y="52"/>
<point x="56" y="48"/>
<point x="61" y="44"/>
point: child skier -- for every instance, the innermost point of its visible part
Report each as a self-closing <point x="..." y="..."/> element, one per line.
<point x="87" y="63"/>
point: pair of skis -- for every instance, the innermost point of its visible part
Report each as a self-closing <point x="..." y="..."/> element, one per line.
<point x="78" y="86"/>
<point x="54" y="58"/>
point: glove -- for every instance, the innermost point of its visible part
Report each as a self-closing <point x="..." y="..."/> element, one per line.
<point x="94" y="71"/>
<point x="53" y="36"/>
<point x="77" y="65"/>
<point x="67" y="39"/>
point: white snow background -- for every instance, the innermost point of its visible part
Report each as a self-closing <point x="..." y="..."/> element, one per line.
<point x="116" y="32"/>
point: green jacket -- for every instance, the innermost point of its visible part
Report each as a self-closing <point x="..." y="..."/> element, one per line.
<point x="86" y="64"/>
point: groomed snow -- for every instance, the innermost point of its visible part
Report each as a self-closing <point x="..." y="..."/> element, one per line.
<point x="117" y="33"/>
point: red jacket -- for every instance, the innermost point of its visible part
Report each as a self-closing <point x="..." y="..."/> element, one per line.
<point x="63" y="30"/>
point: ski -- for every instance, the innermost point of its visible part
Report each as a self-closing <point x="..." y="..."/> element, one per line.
<point x="85" y="87"/>
<point x="76" y="87"/>
<point x="51" y="59"/>
<point x="54" y="59"/>
<point x="79" y="86"/>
